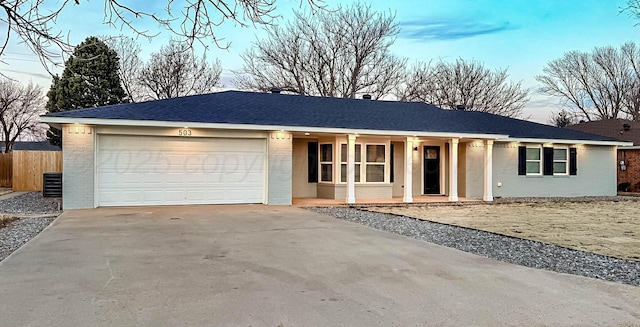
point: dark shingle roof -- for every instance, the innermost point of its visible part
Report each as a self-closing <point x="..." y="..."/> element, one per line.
<point x="613" y="128"/>
<point x="36" y="146"/>
<point x="237" y="107"/>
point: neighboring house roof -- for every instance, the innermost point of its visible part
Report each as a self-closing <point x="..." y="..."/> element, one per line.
<point x="35" y="146"/>
<point x="238" y="107"/>
<point x="613" y="128"/>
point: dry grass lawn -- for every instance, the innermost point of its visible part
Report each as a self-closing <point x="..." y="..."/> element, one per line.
<point x="609" y="228"/>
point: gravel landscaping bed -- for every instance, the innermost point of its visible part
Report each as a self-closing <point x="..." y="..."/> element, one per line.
<point x="20" y="231"/>
<point x="29" y="204"/>
<point x="504" y="248"/>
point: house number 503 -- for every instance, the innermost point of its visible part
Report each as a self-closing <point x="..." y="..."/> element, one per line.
<point x="184" y="132"/>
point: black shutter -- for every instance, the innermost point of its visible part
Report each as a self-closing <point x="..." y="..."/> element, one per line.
<point x="392" y="163"/>
<point x="312" y="162"/>
<point x="547" y="157"/>
<point x="522" y="160"/>
<point x="573" y="161"/>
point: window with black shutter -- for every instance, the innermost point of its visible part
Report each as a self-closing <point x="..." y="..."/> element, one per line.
<point x="548" y="160"/>
<point x="557" y="161"/>
<point x="312" y="164"/>
<point x="522" y="160"/>
<point x="573" y="161"/>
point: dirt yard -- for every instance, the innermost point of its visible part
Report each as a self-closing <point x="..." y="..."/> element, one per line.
<point x="609" y="228"/>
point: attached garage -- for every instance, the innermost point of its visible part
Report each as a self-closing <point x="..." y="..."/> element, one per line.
<point x="155" y="170"/>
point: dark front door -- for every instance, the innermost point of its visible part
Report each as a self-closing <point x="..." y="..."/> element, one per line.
<point x="431" y="170"/>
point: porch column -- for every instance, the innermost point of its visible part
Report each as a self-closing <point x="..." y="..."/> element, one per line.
<point x="351" y="169"/>
<point x="453" y="170"/>
<point x="408" y="170"/>
<point x="488" y="171"/>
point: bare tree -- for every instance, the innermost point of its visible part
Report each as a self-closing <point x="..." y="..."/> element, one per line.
<point x="128" y="50"/>
<point x="20" y="108"/>
<point x="632" y="9"/>
<point x="176" y="71"/>
<point x="33" y="21"/>
<point x="602" y="84"/>
<point x="466" y="83"/>
<point x="631" y="54"/>
<point x="339" y="53"/>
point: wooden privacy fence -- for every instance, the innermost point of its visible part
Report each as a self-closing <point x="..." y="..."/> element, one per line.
<point x="29" y="166"/>
<point x="6" y="169"/>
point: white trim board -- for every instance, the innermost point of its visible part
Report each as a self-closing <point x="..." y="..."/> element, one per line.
<point x="181" y="124"/>
<point x="562" y="141"/>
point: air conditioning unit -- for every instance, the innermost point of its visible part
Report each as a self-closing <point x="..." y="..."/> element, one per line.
<point x="52" y="185"/>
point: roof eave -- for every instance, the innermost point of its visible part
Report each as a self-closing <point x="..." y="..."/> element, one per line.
<point x="565" y="141"/>
<point x="58" y="121"/>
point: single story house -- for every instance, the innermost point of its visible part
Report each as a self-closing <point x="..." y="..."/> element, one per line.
<point x="269" y="148"/>
<point x="628" y="159"/>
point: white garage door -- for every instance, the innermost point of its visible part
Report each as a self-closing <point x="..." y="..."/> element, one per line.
<point x="142" y="170"/>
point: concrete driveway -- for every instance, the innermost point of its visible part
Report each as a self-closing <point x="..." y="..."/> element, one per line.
<point x="278" y="266"/>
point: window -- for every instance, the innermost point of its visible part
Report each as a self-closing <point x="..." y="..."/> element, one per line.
<point x="556" y="161"/>
<point x="560" y="161"/>
<point x="326" y="162"/>
<point x="534" y="161"/>
<point x="343" y="162"/>
<point x="375" y="163"/>
<point x="374" y="159"/>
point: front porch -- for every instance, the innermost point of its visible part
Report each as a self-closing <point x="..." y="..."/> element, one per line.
<point x="424" y="199"/>
<point x="332" y="169"/>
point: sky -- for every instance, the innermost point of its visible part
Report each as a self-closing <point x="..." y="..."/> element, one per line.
<point x="518" y="35"/>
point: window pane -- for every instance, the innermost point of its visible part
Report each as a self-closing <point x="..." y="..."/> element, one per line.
<point x="343" y="173"/>
<point x="559" y="154"/>
<point x="375" y="173"/>
<point x="375" y="153"/>
<point x="533" y="167"/>
<point x="559" y="167"/>
<point x="326" y="153"/>
<point x="533" y="154"/>
<point x="344" y="154"/>
<point x="326" y="172"/>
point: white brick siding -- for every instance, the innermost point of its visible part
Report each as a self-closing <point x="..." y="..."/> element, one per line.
<point x="280" y="156"/>
<point x="78" y="167"/>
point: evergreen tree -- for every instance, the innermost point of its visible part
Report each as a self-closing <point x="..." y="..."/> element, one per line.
<point x="90" y="79"/>
<point x="562" y="119"/>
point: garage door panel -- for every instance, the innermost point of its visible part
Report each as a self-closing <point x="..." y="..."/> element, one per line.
<point x="179" y="170"/>
<point x="110" y="196"/>
<point x="131" y="196"/>
<point x="155" y="197"/>
<point x="175" y="195"/>
<point x="200" y="195"/>
<point x="216" y="195"/>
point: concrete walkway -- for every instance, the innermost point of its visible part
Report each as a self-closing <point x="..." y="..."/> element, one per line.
<point x="278" y="266"/>
<point x="10" y="195"/>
